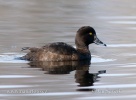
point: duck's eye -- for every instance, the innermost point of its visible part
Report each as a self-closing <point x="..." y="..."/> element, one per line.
<point x="90" y="33"/>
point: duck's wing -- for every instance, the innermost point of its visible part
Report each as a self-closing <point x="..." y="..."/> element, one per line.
<point x="58" y="51"/>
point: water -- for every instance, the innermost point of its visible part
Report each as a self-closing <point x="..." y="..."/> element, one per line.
<point x="111" y="75"/>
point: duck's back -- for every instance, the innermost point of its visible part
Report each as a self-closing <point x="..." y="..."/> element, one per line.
<point x="58" y="51"/>
<point x="59" y="48"/>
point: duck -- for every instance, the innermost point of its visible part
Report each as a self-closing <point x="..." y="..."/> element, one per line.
<point x="60" y="51"/>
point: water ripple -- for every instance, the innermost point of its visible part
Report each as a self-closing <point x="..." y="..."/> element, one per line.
<point x="13" y="58"/>
<point x="15" y="76"/>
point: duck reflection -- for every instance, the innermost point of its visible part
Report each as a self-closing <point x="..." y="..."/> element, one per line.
<point x="65" y="67"/>
<point x="84" y="78"/>
<point x="81" y="68"/>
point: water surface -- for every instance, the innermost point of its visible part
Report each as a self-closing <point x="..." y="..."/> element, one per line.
<point x="110" y="76"/>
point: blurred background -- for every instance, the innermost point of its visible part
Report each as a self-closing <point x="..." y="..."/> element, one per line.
<point x="34" y="23"/>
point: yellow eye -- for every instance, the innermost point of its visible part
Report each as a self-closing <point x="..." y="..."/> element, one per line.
<point x="90" y="33"/>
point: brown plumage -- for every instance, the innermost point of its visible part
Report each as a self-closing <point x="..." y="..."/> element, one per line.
<point x="60" y="51"/>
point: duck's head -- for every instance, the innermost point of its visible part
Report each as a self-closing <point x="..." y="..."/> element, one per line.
<point x="85" y="36"/>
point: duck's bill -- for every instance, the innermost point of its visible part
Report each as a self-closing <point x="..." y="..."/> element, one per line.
<point x="98" y="42"/>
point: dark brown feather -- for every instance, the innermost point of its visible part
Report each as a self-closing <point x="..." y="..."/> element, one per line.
<point x="58" y="51"/>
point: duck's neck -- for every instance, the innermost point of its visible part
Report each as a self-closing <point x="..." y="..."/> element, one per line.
<point x="82" y="48"/>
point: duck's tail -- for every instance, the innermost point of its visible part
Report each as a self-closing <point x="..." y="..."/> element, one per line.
<point x="32" y="49"/>
<point x="25" y="48"/>
<point x="31" y="54"/>
<point x="25" y="56"/>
